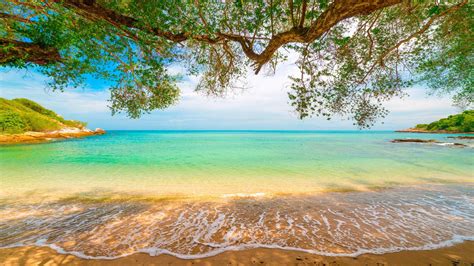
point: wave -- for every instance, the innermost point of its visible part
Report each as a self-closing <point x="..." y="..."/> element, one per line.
<point x="338" y="224"/>
<point x="156" y="251"/>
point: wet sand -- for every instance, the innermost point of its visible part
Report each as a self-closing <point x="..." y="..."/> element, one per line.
<point x="458" y="255"/>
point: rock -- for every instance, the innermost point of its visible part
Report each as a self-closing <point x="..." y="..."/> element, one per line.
<point x="38" y="137"/>
<point x="99" y="131"/>
<point x="34" y="134"/>
<point x="68" y="130"/>
<point x="433" y="141"/>
<point x="459" y="144"/>
<point x="461" y="137"/>
<point x="415" y="140"/>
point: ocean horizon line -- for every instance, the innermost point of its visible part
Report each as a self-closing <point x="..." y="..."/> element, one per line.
<point x="254" y="130"/>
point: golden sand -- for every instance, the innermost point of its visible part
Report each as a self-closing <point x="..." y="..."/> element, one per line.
<point x="458" y="255"/>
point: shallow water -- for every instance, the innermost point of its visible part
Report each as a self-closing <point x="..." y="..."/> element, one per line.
<point x="195" y="194"/>
<point x="220" y="163"/>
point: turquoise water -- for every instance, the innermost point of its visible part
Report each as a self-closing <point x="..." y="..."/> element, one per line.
<point x="198" y="193"/>
<point x="180" y="163"/>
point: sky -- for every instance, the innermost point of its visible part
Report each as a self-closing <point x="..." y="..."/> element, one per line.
<point x="262" y="106"/>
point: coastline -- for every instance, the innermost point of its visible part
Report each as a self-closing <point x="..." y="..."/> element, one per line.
<point x="414" y="130"/>
<point x="31" y="137"/>
<point x="459" y="254"/>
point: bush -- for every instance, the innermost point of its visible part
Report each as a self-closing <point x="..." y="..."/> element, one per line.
<point x="36" y="107"/>
<point x="468" y="124"/>
<point x="74" y="123"/>
<point x="40" y="124"/>
<point x="11" y="122"/>
<point x="421" y="126"/>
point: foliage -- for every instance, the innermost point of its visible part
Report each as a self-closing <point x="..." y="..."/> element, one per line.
<point x="11" y="122"/>
<point x="36" y="107"/>
<point x="354" y="55"/>
<point x="463" y="122"/>
<point x="49" y="113"/>
<point x="20" y="115"/>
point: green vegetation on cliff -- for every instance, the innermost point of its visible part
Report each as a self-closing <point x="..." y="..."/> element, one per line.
<point x="463" y="122"/>
<point x="21" y="115"/>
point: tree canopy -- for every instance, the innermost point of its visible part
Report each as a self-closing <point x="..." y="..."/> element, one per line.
<point x="353" y="54"/>
<point x="463" y="122"/>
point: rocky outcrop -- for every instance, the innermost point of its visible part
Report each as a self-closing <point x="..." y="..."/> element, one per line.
<point x="415" y="140"/>
<point x="40" y="137"/>
<point x="432" y="141"/>
<point x="99" y="131"/>
<point x="462" y="137"/>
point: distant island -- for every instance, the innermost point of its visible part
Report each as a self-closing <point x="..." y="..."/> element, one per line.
<point x="460" y="123"/>
<point x="25" y="121"/>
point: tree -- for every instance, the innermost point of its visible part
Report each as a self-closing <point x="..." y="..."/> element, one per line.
<point x="353" y="54"/>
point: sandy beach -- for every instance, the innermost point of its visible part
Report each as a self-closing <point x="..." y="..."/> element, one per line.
<point x="460" y="254"/>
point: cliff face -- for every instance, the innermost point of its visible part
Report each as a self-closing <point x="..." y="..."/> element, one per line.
<point x="22" y="120"/>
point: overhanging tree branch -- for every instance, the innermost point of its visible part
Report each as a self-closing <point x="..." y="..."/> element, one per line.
<point x="132" y="43"/>
<point x="13" y="50"/>
<point x="336" y="12"/>
<point x="423" y="29"/>
<point x="13" y="17"/>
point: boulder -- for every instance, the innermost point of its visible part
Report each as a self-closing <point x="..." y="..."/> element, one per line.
<point x="99" y="131"/>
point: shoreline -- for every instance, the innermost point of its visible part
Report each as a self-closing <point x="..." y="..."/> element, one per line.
<point x="414" y="130"/>
<point x="458" y="254"/>
<point x="32" y="137"/>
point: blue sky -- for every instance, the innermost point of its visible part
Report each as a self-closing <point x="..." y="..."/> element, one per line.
<point x="264" y="105"/>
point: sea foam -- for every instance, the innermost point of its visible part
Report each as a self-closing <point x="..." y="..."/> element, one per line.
<point x="331" y="224"/>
